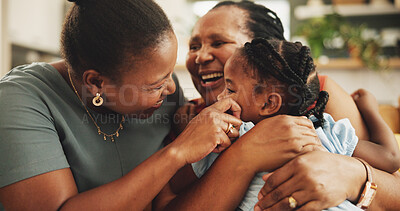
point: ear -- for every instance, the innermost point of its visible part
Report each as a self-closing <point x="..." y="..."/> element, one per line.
<point x="272" y="104"/>
<point x="94" y="81"/>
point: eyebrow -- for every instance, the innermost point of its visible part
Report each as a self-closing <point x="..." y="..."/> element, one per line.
<point x="229" y="81"/>
<point x="158" y="81"/>
<point x="211" y="36"/>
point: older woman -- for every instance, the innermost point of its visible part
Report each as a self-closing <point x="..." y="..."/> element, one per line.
<point x="214" y="39"/>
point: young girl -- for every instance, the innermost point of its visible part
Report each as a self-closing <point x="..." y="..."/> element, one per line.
<point x="271" y="77"/>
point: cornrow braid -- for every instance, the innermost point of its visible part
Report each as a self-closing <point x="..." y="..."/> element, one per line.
<point x="291" y="64"/>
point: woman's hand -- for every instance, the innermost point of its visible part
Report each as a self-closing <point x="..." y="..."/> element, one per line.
<point x="206" y="132"/>
<point x="275" y="141"/>
<point x="316" y="180"/>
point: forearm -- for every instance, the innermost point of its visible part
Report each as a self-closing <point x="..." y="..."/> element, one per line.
<point x="221" y="188"/>
<point x="388" y="193"/>
<point x="134" y="191"/>
<point x="380" y="132"/>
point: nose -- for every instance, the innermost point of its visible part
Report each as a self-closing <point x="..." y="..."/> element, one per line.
<point x="204" y="55"/>
<point x="171" y="87"/>
<point x="222" y="95"/>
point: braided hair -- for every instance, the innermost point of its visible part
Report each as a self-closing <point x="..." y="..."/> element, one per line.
<point x="261" y="21"/>
<point x="292" y="65"/>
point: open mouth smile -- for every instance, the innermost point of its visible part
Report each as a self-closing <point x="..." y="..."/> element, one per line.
<point x="209" y="80"/>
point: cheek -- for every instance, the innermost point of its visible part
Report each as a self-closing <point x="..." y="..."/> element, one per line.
<point x="225" y="53"/>
<point x="191" y="65"/>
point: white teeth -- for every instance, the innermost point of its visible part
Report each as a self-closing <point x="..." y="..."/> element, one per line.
<point x="158" y="103"/>
<point x="212" y="75"/>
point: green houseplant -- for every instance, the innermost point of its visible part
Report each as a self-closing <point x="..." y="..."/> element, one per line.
<point x="319" y="31"/>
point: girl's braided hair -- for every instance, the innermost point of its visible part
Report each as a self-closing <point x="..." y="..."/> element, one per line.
<point x="292" y="65"/>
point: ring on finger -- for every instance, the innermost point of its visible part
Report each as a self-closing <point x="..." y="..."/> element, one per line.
<point x="229" y="129"/>
<point x="292" y="202"/>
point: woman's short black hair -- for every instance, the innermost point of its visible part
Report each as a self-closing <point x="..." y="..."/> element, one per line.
<point x="262" y="22"/>
<point x="108" y="36"/>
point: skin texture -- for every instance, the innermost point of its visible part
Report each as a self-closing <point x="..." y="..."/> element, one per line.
<point x="140" y="186"/>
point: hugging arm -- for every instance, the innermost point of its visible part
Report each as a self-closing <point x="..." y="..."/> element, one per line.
<point x="318" y="180"/>
<point x="341" y="105"/>
<point x="225" y="183"/>
<point x="382" y="151"/>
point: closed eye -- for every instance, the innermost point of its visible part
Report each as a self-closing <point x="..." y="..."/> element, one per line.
<point x="194" y="47"/>
<point x="230" y="91"/>
<point x="217" y="44"/>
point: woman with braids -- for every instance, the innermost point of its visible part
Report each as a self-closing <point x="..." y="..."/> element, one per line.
<point x="214" y="39"/>
<point x="86" y="133"/>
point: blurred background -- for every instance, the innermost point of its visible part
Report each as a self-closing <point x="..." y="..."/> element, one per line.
<point x="355" y="42"/>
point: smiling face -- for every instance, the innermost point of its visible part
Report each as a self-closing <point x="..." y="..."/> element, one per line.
<point x="142" y="90"/>
<point x="214" y="39"/>
<point x="239" y="86"/>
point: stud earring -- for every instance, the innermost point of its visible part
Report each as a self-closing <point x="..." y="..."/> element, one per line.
<point x="97" y="100"/>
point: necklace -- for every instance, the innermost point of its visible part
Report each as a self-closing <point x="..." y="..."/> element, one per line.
<point x="105" y="135"/>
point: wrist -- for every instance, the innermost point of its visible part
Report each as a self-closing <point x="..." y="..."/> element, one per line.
<point x="369" y="189"/>
<point x="237" y="154"/>
<point x="360" y="178"/>
<point x="172" y="153"/>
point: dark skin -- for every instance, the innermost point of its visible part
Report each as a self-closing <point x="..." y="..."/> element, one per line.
<point x="131" y="190"/>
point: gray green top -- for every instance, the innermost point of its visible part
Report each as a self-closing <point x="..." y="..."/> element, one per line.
<point x="44" y="127"/>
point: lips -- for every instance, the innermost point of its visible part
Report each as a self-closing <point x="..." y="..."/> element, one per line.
<point x="211" y="80"/>
<point x="158" y="104"/>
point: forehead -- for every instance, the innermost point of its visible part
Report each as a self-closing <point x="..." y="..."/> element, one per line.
<point x="235" y="69"/>
<point x="225" y="20"/>
<point x="158" y="62"/>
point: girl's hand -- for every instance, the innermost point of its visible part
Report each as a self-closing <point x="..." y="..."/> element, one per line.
<point x="206" y="132"/>
<point x="316" y="180"/>
<point x="365" y="101"/>
<point x="275" y="141"/>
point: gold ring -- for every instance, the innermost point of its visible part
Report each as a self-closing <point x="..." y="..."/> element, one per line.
<point x="229" y="129"/>
<point x="292" y="202"/>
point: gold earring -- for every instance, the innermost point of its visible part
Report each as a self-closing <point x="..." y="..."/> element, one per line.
<point x="98" y="100"/>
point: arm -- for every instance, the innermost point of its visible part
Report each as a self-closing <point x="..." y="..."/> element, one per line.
<point x="136" y="189"/>
<point x="341" y="105"/>
<point x="319" y="180"/>
<point x="225" y="183"/>
<point x="383" y="144"/>
<point x="47" y="192"/>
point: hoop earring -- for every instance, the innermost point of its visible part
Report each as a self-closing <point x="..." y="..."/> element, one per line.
<point x="97" y="100"/>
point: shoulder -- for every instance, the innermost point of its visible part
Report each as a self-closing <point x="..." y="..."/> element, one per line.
<point x="27" y="77"/>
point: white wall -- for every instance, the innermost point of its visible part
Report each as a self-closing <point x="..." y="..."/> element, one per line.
<point x="5" y="48"/>
<point x="182" y="18"/>
<point x="36" y="24"/>
<point x="384" y="85"/>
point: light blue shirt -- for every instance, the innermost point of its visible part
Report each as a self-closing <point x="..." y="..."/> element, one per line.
<point x="337" y="137"/>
